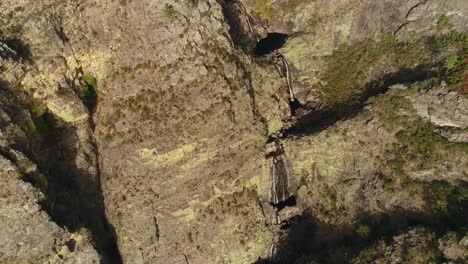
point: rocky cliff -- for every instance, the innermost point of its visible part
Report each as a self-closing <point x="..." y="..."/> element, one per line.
<point x="233" y="131"/>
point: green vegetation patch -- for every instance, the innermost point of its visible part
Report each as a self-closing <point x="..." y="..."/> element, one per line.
<point x="373" y="254"/>
<point x="419" y="145"/>
<point x="349" y="66"/>
<point x="448" y="200"/>
<point x="457" y="72"/>
<point x="443" y="23"/>
<point x="19" y="9"/>
<point x="168" y="11"/>
<point x="415" y="247"/>
<point x="363" y="231"/>
<point x="9" y="33"/>
<point x="30" y="114"/>
<point x="90" y="87"/>
<point x="88" y="90"/>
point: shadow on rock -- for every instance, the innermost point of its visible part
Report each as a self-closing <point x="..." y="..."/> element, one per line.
<point x="74" y="198"/>
<point x="13" y="47"/>
<point x="74" y="195"/>
<point x="314" y="118"/>
<point x="309" y="240"/>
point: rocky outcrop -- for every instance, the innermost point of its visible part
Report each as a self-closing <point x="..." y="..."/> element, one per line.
<point x="446" y="110"/>
<point x="135" y="131"/>
<point x="29" y="235"/>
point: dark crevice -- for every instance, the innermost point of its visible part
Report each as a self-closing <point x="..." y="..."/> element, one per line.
<point x="71" y="244"/>
<point x="20" y="48"/>
<point x="273" y="41"/>
<point x="186" y="259"/>
<point x="294" y="105"/>
<point x="400" y="27"/>
<point x="289" y="202"/>
<point x="76" y="201"/>
<point x="241" y="24"/>
<point x="414" y="7"/>
<point x="406" y="22"/>
<point x="156" y="227"/>
<point x="16" y="49"/>
<point x="56" y="20"/>
<point x="61" y="33"/>
<point x="74" y="198"/>
<point x="85" y="86"/>
<point x="251" y="93"/>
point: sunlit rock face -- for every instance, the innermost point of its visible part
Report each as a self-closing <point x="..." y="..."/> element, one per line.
<point x="233" y="131"/>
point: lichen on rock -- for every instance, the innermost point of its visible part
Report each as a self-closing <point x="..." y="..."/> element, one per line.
<point x="233" y="131"/>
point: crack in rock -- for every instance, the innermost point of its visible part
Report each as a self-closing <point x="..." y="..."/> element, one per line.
<point x="401" y="26"/>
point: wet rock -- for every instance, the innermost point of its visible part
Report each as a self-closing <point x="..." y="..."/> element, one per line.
<point x="273" y="148"/>
<point x="282" y="183"/>
<point x="270" y="212"/>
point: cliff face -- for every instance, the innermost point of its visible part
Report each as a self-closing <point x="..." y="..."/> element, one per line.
<point x="233" y="131"/>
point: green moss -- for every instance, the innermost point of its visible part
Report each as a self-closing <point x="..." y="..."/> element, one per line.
<point x="431" y="144"/>
<point x="363" y="231"/>
<point x="419" y="146"/>
<point x="449" y="200"/>
<point x="452" y="40"/>
<point x="443" y="23"/>
<point x="168" y="11"/>
<point x="88" y="90"/>
<point x="452" y="61"/>
<point x="421" y="141"/>
<point x="31" y="117"/>
<point x="348" y="66"/>
<point x="19" y="9"/>
<point x="457" y="73"/>
<point x="9" y="33"/>
<point x="264" y="9"/>
<point x="90" y="83"/>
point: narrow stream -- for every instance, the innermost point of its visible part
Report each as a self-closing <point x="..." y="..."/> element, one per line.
<point x="279" y="201"/>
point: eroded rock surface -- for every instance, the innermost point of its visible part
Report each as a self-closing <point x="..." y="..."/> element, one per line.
<point x="29" y="235"/>
<point x="233" y="131"/>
